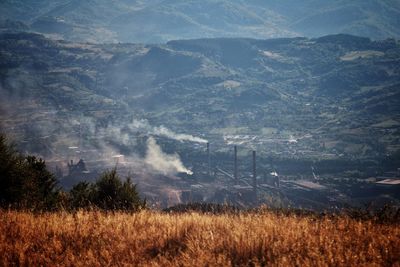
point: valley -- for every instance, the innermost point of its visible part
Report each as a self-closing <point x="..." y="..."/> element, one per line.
<point x="329" y="103"/>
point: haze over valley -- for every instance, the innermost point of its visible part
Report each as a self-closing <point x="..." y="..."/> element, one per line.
<point x="165" y="90"/>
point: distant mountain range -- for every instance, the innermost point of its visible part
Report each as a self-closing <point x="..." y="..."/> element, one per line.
<point x="158" y="21"/>
<point x="330" y="97"/>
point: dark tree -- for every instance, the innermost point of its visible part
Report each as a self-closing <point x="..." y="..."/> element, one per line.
<point x="111" y="193"/>
<point x="81" y="195"/>
<point x="10" y="166"/>
<point x="25" y="181"/>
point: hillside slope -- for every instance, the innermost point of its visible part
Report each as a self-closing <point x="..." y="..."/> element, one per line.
<point x="157" y="21"/>
<point x="335" y="95"/>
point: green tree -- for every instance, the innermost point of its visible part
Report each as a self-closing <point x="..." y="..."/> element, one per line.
<point x="81" y="195"/>
<point x="25" y="181"/>
<point x="111" y="193"/>
<point x="39" y="185"/>
<point x="129" y="198"/>
<point x="9" y="166"/>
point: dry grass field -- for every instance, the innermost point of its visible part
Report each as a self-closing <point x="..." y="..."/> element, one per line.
<point x="191" y="239"/>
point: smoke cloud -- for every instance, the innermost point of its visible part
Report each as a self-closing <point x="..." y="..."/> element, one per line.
<point x="180" y="137"/>
<point x="161" y="162"/>
<point x="163" y="131"/>
<point x="75" y="136"/>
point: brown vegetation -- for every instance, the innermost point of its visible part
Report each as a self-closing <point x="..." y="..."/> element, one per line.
<point x="94" y="238"/>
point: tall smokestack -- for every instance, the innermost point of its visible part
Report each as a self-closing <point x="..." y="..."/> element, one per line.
<point x="80" y="136"/>
<point x="235" y="173"/>
<point x="254" y="174"/>
<point x="208" y="160"/>
<point x="279" y="182"/>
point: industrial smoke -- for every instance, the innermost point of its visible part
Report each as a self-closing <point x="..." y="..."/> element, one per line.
<point x="162" y="162"/>
<point x="163" y="131"/>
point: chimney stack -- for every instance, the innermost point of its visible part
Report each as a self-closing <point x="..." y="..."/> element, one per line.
<point x="254" y="174"/>
<point x="279" y="182"/>
<point x="235" y="173"/>
<point x="208" y="160"/>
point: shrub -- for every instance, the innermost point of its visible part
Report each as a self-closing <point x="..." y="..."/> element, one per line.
<point x="81" y="195"/>
<point x="111" y="193"/>
<point x="107" y="193"/>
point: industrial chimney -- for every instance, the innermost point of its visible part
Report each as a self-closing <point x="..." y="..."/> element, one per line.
<point x="254" y="175"/>
<point x="235" y="172"/>
<point x="208" y="160"/>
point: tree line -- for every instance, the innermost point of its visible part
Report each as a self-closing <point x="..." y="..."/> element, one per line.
<point x="26" y="183"/>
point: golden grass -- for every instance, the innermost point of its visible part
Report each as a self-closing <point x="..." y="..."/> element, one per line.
<point x="191" y="239"/>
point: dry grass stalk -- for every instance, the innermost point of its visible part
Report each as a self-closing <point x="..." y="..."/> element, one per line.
<point x="191" y="239"/>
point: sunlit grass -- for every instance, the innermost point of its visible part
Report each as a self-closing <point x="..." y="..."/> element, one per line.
<point x="193" y="239"/>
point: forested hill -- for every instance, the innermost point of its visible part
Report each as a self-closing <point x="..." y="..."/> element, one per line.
<point x="157" y="21"/>
<point x="335" y="95"/>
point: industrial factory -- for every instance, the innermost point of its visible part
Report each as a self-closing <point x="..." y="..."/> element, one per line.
<point x="240" y="182"/>
<point x="238" y="177"/>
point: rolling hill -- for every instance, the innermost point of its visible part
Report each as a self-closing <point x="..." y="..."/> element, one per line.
<point x="336" y="95"/>
<point x="158" y="21"/>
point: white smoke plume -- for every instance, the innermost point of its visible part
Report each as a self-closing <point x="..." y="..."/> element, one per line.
<point x="162" y="162"/>
<point x="163" y="131"/>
